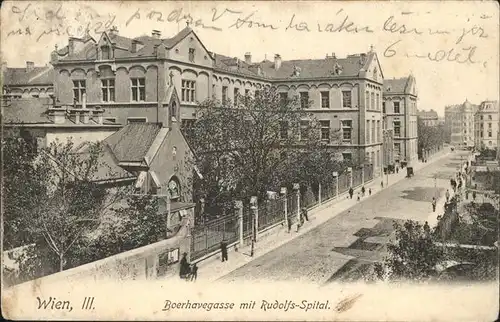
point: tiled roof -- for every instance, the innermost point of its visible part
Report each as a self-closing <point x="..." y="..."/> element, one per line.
<point x="396" y="85"/>
<point x="26" y="111"/>
<point x="132" y="142"/>
<point x="311" y="68"/>
<point x="488" y="106"/>
<point x="21" y="76"/>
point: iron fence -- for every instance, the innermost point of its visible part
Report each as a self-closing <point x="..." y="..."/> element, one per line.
<point x="327" y="191"/>
<point x="271" y="212"/>
<point x="207" y="238"/>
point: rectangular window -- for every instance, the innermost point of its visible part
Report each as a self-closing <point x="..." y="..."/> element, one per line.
<point x="397" y="149"/>
<point x="367" y="131"/>
<point x="108" y="90"/>
<point x="346" y="99"/>
<point x="224" y="94"/>
<point x="347" y="156"/>
<point x="489" y="125"/>
<point x="284" y="130"/>
<point x="283" y="98"/>
<point x="325" y="130"/>
<point x="325" y="99"/>
<point x="304" y="99"/>
<point x="347" y="130"/>
<point x="78" y="90"/>
<point x="489" y="117"/>
<point x="397" y="128"/>
<point x="106" y="54"/>
<point x="378" y="102"/>
<point x="191" y="54"/>
<point x="367" y="100"/>
<point x="138" y="89"/>
<point x="396" y="107"/>
<point x="373" y="131"/>
<point x="304" y="130"/>
<point x="490" y="134"/>
<point x="136" y="120"/>
<point x="236" y="92"/>
<point x="188" y="91"/>
<point x="372" y="99"/>
<point x="383" y="107"/>
<point x="378" y="131"/>
<point x="257" y="93"/>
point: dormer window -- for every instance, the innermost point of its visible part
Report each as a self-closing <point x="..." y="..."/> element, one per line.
<point x="296" y="71"/>
<point x="105" y="52"/>
<point x="191" y="55"/>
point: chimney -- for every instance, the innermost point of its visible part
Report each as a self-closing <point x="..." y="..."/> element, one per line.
<point x="156" y="34"/>
<point x="71" y="46"/>
<point x="30" y="66"/>
<point x="113" y="31"/>
<point x="277" y="61"/>
<point x="134" y="46"/>
<point x="248" y="58"/>
<point x="333" y="55"/>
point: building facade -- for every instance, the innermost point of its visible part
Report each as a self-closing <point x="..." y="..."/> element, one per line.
<point x="486" y="122"/>
<point x="429" y="118"/>
<point x="129" y="78"/>
<point x="459" y="124"/>
<point x="400" y="111"/>
<point x="29" y="82"/>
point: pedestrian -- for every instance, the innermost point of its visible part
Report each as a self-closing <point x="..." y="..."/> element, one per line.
<point x="397" y="170"/>
<point x="363" y="191"/>
<point x="433" y="204"/>
<point x="223" y="250"/>
<point x="370" y="191"/>
<point x="184" y="266"/>
<point x="359" y="196"/>
<point x="427" y="228"/>
<point x="304" y="213"/>
<point x="194" y="272"/>
<point x="447" y="195"/>
<point x="351" y="192"/>
<point x="474" y="195"/>
<point x="382" y="184"/>
<point x="289" y="223"/>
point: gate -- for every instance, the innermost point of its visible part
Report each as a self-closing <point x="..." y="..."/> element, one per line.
<point x="206" y="238"/>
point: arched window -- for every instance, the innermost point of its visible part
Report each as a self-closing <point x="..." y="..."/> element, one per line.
<point x="173" y="110"/>
<point x="174" y="189"/>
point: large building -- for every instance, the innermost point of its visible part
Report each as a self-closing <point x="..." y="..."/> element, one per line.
<point x="486" y="125"/>
<point x="400" y="110"/>
<point x="130" y="78"/>
<point x="459" y="124"/>
<point x="429" y="118"/>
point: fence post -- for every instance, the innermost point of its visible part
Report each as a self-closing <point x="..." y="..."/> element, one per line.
<point x="285" y="197"/>
<point x="296" y="187"/>
<point x="253" y="209"/>
<point x="336" y="176"/>
<point x="319" y="193"/>
<point x="349" y="170"/>
<point x="239" y="206"/>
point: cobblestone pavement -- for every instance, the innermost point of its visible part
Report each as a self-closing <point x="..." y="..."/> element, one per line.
<point x="356" y="235"/>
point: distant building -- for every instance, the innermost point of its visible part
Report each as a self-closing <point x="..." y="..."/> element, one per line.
<point x="429" y="118"/>
<point x="459" y="124"/>
<point x="28" y="82"/>
<point x="400" y="111"/>
<point x="486" y="125"/>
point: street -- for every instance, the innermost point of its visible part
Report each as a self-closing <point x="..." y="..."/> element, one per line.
<point x="338" y="249"/>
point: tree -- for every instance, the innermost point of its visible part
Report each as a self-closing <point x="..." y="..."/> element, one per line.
<point x="413" y="255"/>
<point x="252" y="146"/>
<point x="67" y="201"/>
<point x="429" y="137"/>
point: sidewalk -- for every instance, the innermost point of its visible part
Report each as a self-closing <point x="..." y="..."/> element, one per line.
<point x="212" y="268"/>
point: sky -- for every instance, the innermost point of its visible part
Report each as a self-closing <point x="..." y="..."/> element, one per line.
<point x="452" y="48"/>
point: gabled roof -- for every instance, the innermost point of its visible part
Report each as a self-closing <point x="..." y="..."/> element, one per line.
<point x="42" y="75"/>
<point x="132" y="142"/>
<point x="396" y="85"/>
<point x="26" y="111"/>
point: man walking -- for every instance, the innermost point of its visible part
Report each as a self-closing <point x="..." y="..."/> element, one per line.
<point x="382" y="184"/>
<point x="304" y="213"/>
<point x="351" y="192"/>
<point x="223" y="250"/>
<point x="433" y="204"/>
<point x="370" y="191"/>
<point x="194" y="272"/>
<point x="363" y="191"/>
<point x="447" y="195"/>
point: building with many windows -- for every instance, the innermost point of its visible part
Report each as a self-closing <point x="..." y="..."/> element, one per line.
<point x="486" y="125"/>
<point x="459" y="124"/>
<point x="400" y="111"/>
<point x="429" y="118"/>
<point x="129" y="78"/>
<point x="29" y="82"/>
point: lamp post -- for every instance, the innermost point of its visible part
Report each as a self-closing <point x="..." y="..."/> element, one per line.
<point x="253" y="208"/>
